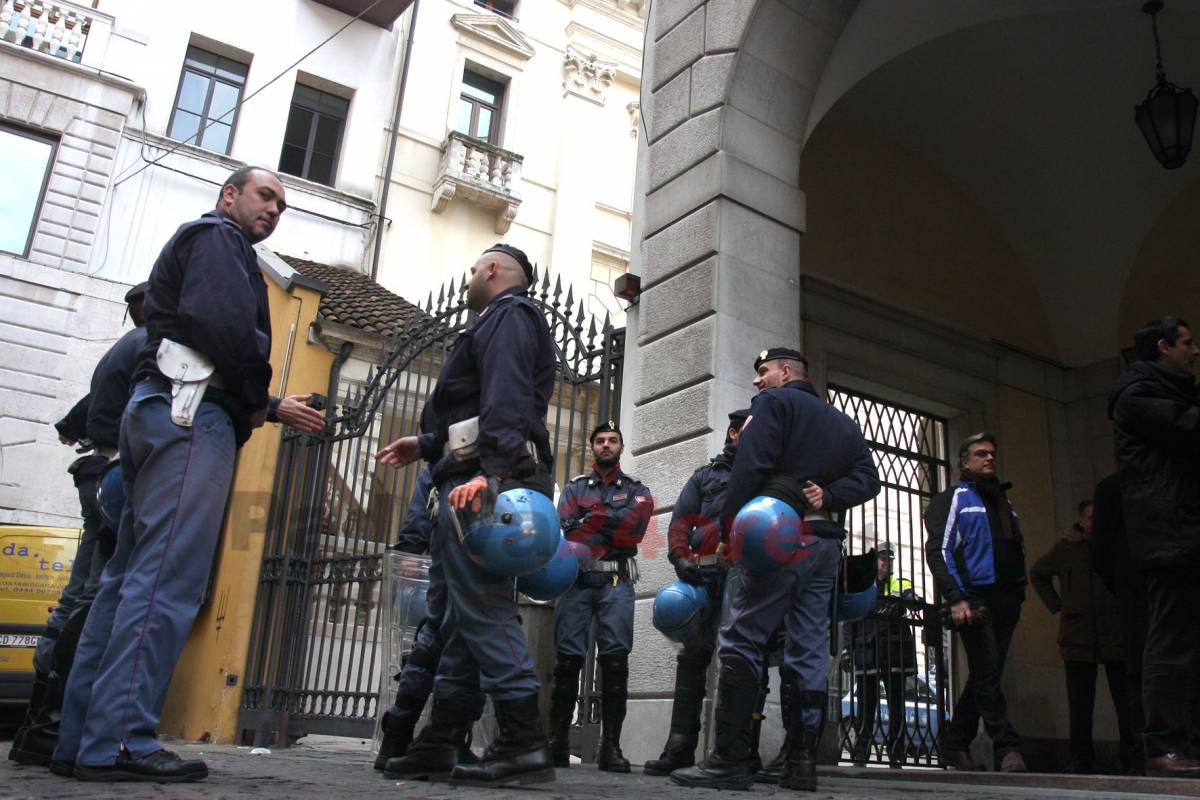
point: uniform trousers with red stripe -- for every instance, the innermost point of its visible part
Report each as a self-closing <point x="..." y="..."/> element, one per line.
<point x="177" y="483"/>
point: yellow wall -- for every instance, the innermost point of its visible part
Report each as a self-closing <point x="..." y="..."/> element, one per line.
<point x="885" y="222"/>
<point x="1164" y="279"/>
<point x="200" y="705"/>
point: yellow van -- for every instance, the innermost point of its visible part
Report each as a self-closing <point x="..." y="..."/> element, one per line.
<point x="35" y="565"/>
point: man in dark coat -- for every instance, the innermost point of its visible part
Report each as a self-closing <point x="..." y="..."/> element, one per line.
<point x="1155" y="411"/>
<point x="1089" y="634"/>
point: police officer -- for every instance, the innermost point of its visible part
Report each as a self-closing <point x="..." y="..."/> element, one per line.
<point x="883" y="650"/>
<point x="416" y="676"/>
<point x="94" y="423"/>
<point x="500" y="371"/>
<point x="798" y="449"/>
<point x="207" y="296"/>
<point x="693" y="537"/>
<point x="607" y="510"/>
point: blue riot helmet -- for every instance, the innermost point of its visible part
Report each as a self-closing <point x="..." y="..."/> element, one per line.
<point x="516" y="536"/>
<point x="558" y="575"/>
<point x="856" y="587"/>
<point x="765" y="535"/>
<point x="680" y="609"/>
<point x="110" y="495"/>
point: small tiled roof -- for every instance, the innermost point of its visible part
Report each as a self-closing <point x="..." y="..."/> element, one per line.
<point x="356" y="300"/>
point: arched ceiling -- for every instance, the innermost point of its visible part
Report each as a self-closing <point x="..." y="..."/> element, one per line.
<point x="1028" y="106"/>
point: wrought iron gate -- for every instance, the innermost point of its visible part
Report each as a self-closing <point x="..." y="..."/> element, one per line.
<point x="900" y="648"/>
<point x="313" y="659"/>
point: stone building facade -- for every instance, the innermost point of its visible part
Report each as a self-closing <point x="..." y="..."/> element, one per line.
<point x="936" y="217"/>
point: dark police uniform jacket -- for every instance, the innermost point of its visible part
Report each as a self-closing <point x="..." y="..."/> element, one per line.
<point x="695" y="521"/>
<point x="793" y="433"/>
<point x="112" y="383"/>
<point x="207" y="292"/>
<point x="609" y="515"/>
<point x="500" y="369"/>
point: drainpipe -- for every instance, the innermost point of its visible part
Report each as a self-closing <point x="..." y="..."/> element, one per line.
<point x="391" y="156"/>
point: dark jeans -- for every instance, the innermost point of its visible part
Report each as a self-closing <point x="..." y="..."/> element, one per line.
<point x="986" y="644"/>
<point x="1172" y="646"/>
<point x="1081" y="698"/>
<point x="867" y="720"/>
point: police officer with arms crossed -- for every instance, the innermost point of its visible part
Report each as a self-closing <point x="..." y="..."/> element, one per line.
<point x="797" y="448"/>
<point x="500" y="370"/>
<point x="207" y="308"/>
<point x="608" y="511"/>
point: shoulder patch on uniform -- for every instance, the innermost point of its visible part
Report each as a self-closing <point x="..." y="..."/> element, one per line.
<point x="579" y="477"/>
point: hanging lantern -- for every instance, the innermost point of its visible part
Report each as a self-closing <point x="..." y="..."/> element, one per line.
<point x="1167" y="117"/>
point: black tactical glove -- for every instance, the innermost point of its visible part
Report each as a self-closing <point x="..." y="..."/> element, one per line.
<point x="689" y="571"/>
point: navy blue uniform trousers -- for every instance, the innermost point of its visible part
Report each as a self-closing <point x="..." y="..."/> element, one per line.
<point x="796" y="596"/>
<point x="176" y="485"/>
<point x="485" y="644"/>
<point x="595" y="594"/>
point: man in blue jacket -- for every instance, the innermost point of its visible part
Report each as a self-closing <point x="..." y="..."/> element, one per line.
<point x="977" y="557"/>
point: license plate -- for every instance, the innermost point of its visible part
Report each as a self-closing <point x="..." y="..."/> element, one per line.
<point x="18" y="640"/>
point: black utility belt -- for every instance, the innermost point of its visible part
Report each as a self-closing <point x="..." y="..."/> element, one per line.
<point x="621" y="567"/>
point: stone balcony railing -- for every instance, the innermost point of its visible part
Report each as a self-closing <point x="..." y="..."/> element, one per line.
<point x="55" y="27"/>
<point x="481" y="173"/>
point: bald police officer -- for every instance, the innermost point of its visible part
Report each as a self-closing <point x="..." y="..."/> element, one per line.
<point x="798" y="449"/>
<point x="501" y="371"/>
<point x="607" y="510"/>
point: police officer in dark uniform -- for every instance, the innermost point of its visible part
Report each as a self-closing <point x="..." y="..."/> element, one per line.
<point x="501" y="371"/>
<point x="607" y="510"/>
<point x="417" y="673"/>
<point x="93" y="424"/>
<point x="208" y="299"/>
<point x="883" y="651"/>
<point x="798" y="449"/>
<point x="693" y="537"/>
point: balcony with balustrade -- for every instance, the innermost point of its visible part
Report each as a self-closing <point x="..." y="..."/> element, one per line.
<point x="70" y="31"/>
<point x="480" y="173"/>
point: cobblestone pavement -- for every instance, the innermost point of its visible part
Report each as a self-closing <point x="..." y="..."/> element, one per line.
<point x="328" y="767"/>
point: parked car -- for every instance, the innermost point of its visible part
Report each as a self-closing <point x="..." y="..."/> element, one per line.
<point x="920" y="714"/>
<point x="35" y="565"/>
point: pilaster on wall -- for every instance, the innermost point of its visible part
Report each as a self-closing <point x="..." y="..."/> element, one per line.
<point x="726" y="89"/>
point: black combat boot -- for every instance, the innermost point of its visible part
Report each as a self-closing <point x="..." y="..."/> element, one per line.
<point x="773" y="772"/>
<point x="520" y="753"/>
<point x="680" y="750"/>
<point x="397" y="725"/>
<point x="614" y="677"/>
<point x="437" y="748"/>
<point x="563" y="699"/>
<point x="801" y="770"/>
<point x="728" y="765"/>
<point x="757" y="721"/>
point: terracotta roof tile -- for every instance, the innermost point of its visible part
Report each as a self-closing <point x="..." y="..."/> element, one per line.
<point x="356" y="300"/>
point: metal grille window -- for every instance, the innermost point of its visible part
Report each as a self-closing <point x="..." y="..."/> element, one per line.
<point x="313" y="135"/>
<point x="210" y="89"/>
<point x="893" y="662"/>
<point x="25" y="160"/>
<point x="479" y="107"/>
